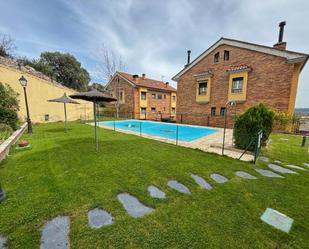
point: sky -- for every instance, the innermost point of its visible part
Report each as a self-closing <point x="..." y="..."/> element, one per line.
<point x="152" y="37"/>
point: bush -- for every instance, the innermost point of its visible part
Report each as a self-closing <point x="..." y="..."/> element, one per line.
<point x="249" y="123"/>
<point x="5" y="131"/>
<point x="8" y="106"/>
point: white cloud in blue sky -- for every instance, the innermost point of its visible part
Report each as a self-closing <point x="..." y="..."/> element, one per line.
<point x="152" y="36"/>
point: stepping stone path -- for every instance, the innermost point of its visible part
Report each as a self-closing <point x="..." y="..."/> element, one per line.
<point x="156" y="192"/>
<point x="178" y="187"/>
<point x="268" y="173"/>
<point x="306" y="164"/>
<point x="55" y="234"/>
<point x="2" y="242"/>
<point x="218" y="178"/>
<point x="294" y="166"/>
<point x="245" y="175"/>
<point x="277" y="161"/>
<point x="201" y="182"/>
<point x="98" y="218"/>
<point x="281" y="169"/>
<point x="264" y="159"/>
<point x="133" y="206"/>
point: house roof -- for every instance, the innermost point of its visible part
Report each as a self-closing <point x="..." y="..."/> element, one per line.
<point x="146" y="82"/>
<point x="291" y="56"/>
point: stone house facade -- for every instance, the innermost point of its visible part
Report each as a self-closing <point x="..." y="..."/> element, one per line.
<point x="142" y="98"/>
<point x="232" y="76"/>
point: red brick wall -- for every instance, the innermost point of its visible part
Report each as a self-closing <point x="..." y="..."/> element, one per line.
<point x="269" y="82"/>
<point x="162" y="105"/>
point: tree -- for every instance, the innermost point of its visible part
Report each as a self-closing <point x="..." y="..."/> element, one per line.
<point x="7" y="45"/>
<point x="111" y="63"/>
<point x="62" y="67"/>
<point x="8" y="106"/>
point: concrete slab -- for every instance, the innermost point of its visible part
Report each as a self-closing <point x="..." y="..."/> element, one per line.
<point x="178" y="187"/>
<point x="55" y="234"/>
<point x="133" y="206"/>
<point x="278" y="220"/>
<point x="294" y="166"/>
<point x="218" y="178"/>
<point x="264" y="159"/>
<point x="245" y="175"/>
<point x="98" y="218"/>
<point x="201" y="182"/>
<point x="268" y="173"/>
<point x="155" y="192"/>
<point x="281" y="169"/>
<point x="2" y="242"/>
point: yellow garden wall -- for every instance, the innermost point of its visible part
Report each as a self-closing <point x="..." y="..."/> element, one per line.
<point x="39" y="91"/>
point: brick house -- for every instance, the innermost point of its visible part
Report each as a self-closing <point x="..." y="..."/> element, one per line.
<point x="239" y="72"/>
<point x="142" y="97"/>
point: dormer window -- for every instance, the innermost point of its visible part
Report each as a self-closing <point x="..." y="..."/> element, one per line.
<point x="226" y="55"/>
<point x="216" y="57"/>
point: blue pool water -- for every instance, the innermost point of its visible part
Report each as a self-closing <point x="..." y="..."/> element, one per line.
<point x="166" y="130"/>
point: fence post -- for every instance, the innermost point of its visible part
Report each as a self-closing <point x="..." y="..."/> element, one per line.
<point x="177" y="130"/>
<point x="224" y="132"/>
<point x="303" y="143"/>
<point x="2" y="194"/>
<point x="140" y="128"/>
<point x="114" y="121"/>
<point x="181" y="118"/>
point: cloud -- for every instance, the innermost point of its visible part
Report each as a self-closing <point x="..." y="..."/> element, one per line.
<point x="152" y="36"/>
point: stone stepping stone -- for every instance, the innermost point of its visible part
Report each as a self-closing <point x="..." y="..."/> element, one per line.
<point x="133" y="206"/>
<point x="268" y="173"/>
<point x="2" y="242"/>
<point x="156" y="192"/>
<point x="218" y="178"/>
<point x="201" y="182"/>
<point x="294" y="166"/>
<point x="264" y="159"/>
<point x="277" y="161"/>
<point x="281" y="169"/>
<point x="55" y="234"/>
<point x="306" y="164"/>
<point x="178" y="187"/>
<point x="98" y="218"/>
<point x="245" y="175"/>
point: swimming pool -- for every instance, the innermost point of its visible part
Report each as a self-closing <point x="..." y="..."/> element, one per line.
<point x="186" y="133"/>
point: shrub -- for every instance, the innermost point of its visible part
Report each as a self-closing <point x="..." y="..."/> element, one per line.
<point x="8" y="106"/>
<point x="5" y="131"/>
<point x="249" y="123"/>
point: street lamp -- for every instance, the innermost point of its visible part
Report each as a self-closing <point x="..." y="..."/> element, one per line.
<point x="232" y="104"/>
<point x="23" y="81"/>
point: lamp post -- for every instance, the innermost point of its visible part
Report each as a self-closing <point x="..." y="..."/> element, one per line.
<point x="231" y="103"/>
<point x="23" y="81"/>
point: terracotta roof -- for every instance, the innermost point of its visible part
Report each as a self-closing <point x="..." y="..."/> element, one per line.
<point x="239" y="68"/>
<point x="148" y="83"/>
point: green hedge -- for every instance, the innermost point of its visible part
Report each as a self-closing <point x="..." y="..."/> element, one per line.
<point x="5" y="131"/>
<point x="249" y="123"/>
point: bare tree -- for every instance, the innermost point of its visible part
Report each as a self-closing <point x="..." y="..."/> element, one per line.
<point x="7" y="45"/>
<point x="111" y="63"/>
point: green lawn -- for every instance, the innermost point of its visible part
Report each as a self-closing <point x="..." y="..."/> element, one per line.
<point x="63" y="175"/>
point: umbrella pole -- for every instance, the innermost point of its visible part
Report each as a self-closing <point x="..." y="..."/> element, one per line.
<point x="95" y="125"/>
<point x="65" y="117"/>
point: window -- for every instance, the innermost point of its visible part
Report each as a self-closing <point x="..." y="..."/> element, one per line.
<point x="153" y="96"/>
<point x="143" y="110"/>
<point x="216" y="57"/>
<point x="174" y="98"/>
<point x="143" y="95"/>
<point x="153" y="109"/>
<point x="222" y="111"/>
<point x="226" y="55"/>
<point x="213" y="111"/>
<point x="173" y="110"/>
<point x="163" y="108"/>
<point x="159" y="96"/>
<point x="237" y="84"/>
<point x="164" y="96"/>
<point x="121" y="96"/>
<point x="202" y="87"/>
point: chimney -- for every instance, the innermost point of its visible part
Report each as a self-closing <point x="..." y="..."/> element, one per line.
<point x="135" y="76"/>
<point x="166" y="83"/>
<point x="281" y="45"/>
<point x="143" y="76"/>
<point x="188" y="58"/>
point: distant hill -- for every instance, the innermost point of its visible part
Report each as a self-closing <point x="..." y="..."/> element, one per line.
<point x="302" y="110"/>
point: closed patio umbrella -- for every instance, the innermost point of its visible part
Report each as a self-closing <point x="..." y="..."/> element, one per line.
<point x="94" y="96"/>
<point x="65" y="100"/>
